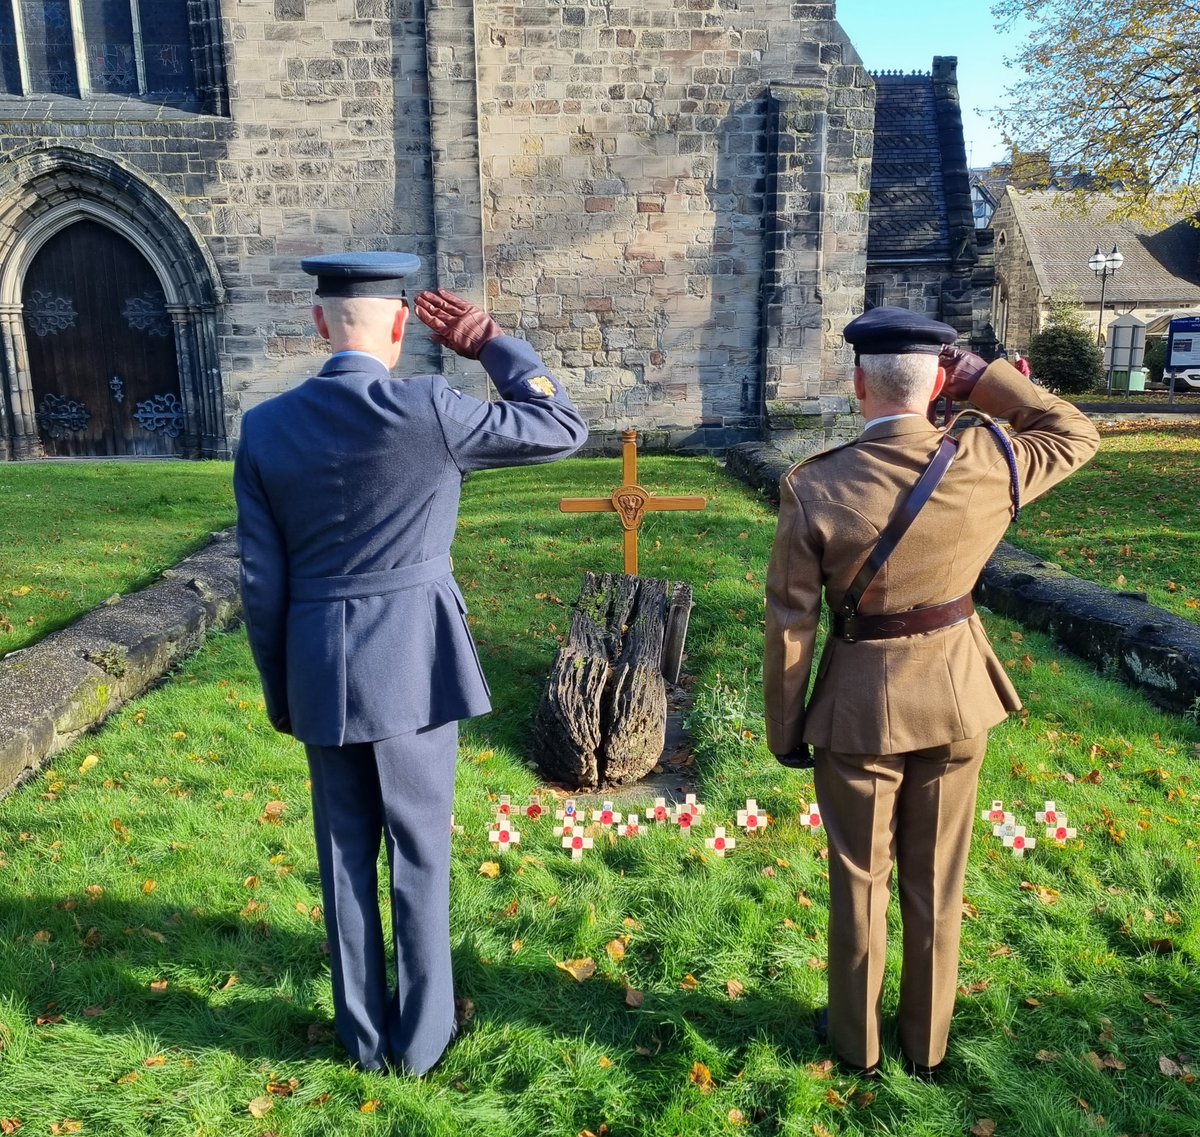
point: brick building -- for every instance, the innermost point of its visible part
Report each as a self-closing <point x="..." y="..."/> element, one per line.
<point x="670" y="201"/>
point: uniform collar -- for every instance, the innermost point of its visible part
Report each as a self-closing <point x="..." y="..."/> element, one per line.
<point x="361" y="361"/>
<point x="898" y="427"/>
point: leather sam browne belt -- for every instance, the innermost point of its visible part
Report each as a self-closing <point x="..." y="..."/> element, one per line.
<point x="847" y="624"/>
<point x="915" y="622"/>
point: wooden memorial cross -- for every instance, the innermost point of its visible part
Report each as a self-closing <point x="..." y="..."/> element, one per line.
<point x="630" y="502"/>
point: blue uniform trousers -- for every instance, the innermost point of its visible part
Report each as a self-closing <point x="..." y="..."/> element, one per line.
<point x="399" y="790"/>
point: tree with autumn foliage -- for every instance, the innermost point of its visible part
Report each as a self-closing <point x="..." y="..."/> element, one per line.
<point x="1112" y="90"/>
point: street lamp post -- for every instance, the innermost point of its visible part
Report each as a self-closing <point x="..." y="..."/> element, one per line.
<point x="1104" y="266"/>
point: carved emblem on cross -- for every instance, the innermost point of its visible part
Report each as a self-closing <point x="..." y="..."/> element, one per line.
<point x="630" y="502"/>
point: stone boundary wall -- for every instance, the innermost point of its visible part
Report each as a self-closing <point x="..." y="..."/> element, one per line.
<point x="1119" y="632"/>
<point x="72" y="680"/>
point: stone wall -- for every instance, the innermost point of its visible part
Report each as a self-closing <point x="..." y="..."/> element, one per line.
<point x="1018" y="303"/>
<point x="668" y="202"/>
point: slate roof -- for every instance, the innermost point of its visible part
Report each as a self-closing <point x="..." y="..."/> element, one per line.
<point x="1162" y="263"/>
<point x="908" y="202"/>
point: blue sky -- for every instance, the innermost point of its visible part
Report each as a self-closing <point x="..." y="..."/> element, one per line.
<point x="895" y="36"/>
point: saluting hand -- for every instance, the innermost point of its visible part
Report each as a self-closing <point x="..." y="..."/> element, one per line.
<point x="963" y="369"/>
<point x="457" y="323"/>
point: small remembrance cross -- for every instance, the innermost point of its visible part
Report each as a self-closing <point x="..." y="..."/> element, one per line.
<point x="659" y="811"/>
<point x="630" y="828"/>
<point x="811" y="816"/>
<point x="574" y="840"/>
<point x="1018" y="842"/>
<point x="630" y="502"/>
<point x="503" y="836"/>
<point x="1055" y="822"/>
<point x="750" y="818"/>
<point x="605" y="816"/>
<point x="719" y="843"/>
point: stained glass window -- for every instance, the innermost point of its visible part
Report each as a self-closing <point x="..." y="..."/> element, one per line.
<point x="49" y="46"/>
<point x="10" y="60"/>
<point x="141" y="48"/>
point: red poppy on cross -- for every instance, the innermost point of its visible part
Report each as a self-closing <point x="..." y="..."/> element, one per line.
<point x="719" y="843"/>
<point x="1018" y="842"/>
<point x="534" y="809"/>
<point x="504" y="837"/>
<point x="659" y="812"/>
<point x="576" y="842"/>
<point x="750" y="818"/>
<point x="811" y="816"/>
<point x="684" y="818"/>
<point x="630" y="828"/>
<point x="567" y="814"/>
<point x="605" y="815"/>
<point x="505" y="806"/>
<point x="1050" y="815"/>
<point x="692" y="805"/>
<point x="996" y="814"/>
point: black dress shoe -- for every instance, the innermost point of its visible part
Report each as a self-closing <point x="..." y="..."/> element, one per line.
<point x="925" y="1073"/>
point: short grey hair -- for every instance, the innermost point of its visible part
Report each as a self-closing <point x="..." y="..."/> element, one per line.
<point x="902" y="380"/>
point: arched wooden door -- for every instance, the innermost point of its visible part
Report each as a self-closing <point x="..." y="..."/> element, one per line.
<point x="102" y="357"/>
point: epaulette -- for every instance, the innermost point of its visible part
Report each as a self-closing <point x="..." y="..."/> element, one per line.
<point x="819" y="454"/>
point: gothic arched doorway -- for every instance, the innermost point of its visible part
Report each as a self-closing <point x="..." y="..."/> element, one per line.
<point x="102" y="356"/>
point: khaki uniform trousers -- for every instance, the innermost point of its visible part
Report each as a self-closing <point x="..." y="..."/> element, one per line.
<point x="916" y="810"/>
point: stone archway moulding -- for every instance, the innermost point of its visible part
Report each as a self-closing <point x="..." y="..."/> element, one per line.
<point x="47" y="189"/>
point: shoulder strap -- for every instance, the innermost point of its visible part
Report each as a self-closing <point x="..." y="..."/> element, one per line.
<point x="900" y="522"/>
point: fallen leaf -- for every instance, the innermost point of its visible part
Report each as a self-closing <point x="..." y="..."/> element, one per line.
<point x="999" y="950"/>
<point x="272" y="813"/>
<point x="93" y="1012"/>
<point x="819" y="1130"/>
<point x="577" y="969"/>
<point x="604" y="1062"/>
<point x="59" y="1127"/>
<point x="1045" y="895"/>
<point x="616" y="950"/>
<point x="1169" y="1067"/>
<point x="689" y="983"/>
<point x="149" y="886"/>
<point x="821" y="1069"/>
<point x="734" y="989"/>
<point x="1150" y="997"/>
<point x="128" y="1079"/>
<point x="9" y="1125"/>
<point x="632" y="924"/>
<point x="1032" y="1002"/>
<point x="969" y="911"/>
<point x="283" y="1089"/>
<point x="516" y="946"/>
<point x="89" y="763"/>
<point x="984" y="1127"/>
<point x="701" y="1078"/>
<point x="803" y="901"/>
<point x="158" y="986"/>
<point x="490" y="869"/>
<point x="47" y="1020"/>
<point x="94" y="890"/>
<point x="833" y="1098"/>
<point x="1047" y="1056"/>
<point x="634" y="998"/>
<point x="370" y="1106"/>
<point x="261" y="1106"/>
<point x="156" y="1060"/>
<point x="42" y="937"/>
<point x="512" y="909"/>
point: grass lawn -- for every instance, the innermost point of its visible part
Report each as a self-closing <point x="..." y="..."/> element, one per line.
<point x="73" y="533"/>
<point x="1131" y="518"/>
<point x="161" y="966"/>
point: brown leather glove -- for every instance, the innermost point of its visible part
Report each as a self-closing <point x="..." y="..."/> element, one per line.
<point x="963" y="369"/>
<point x="457" y="323"/>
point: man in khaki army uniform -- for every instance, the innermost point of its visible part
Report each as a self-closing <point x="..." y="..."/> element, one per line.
<point x="900" y="711"/>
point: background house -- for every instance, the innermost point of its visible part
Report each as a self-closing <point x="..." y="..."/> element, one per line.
<point x="1043" y="242"/>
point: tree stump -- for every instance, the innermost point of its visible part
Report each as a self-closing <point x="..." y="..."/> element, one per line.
<point x="602" y="719"/>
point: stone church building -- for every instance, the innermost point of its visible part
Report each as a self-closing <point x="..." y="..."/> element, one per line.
<point x="674" y="202"/>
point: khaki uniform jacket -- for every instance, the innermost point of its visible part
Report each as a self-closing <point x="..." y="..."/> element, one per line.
<point x="898" y="695"/>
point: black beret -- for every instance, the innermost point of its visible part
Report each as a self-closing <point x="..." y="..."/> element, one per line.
<point x="361" y="274"/>
<point x="897" y="331"/>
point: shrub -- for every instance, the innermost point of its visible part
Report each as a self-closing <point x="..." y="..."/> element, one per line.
<point x="1155" y="359"/>
<point x="1066" y="360"/>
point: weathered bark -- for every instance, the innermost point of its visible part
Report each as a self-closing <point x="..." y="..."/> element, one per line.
<point x="602" y="719"/>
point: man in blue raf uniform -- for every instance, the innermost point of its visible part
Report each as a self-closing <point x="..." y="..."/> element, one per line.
<point x="347" y="491"/>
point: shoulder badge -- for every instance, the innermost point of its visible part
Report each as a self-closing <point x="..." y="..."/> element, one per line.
<point x="542" y="385"/>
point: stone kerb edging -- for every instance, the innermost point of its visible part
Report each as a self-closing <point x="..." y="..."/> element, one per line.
<point x="63" y="685"/>
<point x="1150" y="649"/>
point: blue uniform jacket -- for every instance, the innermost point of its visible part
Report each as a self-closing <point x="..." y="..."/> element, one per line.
<point x="347" y="490"/>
